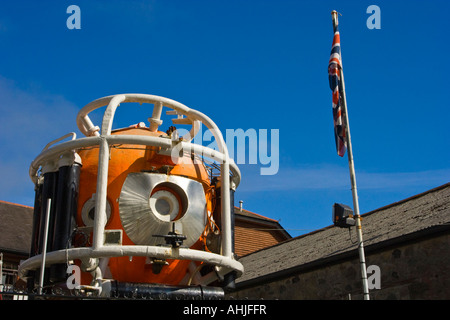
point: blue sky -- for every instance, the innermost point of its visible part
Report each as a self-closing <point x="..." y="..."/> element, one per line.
<point x="250" y="65"/>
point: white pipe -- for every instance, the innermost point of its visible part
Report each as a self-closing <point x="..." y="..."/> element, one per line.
<point x="102" y="173"/>
<point x="73" y="134"/>
<point x="108" y="116"/>
<point x="55" y="151"/>
<point x="83" y="119"/>
<point x="193" y="271"/>
<point x="194" y="130"/>
<point x="216" y="156"/>
<point x="162" y="252"/>
<point x="155" y="120"/>
<point x="91" y="130"/>
<point x="44" y="249"/>
<point x="100" y="195"/>
<point x="225" y="180"/>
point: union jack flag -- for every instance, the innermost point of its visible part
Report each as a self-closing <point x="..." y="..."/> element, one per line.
<point x="334" y="66"/>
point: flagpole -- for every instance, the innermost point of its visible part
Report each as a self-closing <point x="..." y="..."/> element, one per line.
<point x="351" y="166"/>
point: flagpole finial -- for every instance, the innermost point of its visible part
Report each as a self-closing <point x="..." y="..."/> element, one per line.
<point x="334" y="14"/>
<point x="334" y="17"/>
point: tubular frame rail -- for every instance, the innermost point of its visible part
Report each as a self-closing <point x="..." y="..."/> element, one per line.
<point x="52" y="153"/>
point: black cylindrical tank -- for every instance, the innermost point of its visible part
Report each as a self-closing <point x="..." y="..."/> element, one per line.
<point x="36" y="219"/>
<point x="49" y="188"/>
<point x="64" y="220"/>
<point x="164" y="292"/>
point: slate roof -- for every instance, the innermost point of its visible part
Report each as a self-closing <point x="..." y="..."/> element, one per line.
<point x="428" y="211"/>
<point x="16" y="222"/>
<point x="250" y="214"/>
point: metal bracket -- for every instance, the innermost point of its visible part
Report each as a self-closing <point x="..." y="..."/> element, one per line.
<point x="173" y="238"/>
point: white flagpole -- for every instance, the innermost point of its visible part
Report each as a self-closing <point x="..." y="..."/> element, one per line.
<point x="351" y="166"/>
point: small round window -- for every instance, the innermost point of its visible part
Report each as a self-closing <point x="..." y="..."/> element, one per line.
<point x="167" y="203"/>
<point x="88" y="212"/>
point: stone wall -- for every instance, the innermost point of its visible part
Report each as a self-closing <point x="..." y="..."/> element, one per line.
<point x="414" y="270"/>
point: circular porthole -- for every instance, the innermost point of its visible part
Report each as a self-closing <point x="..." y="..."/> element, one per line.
<point x="88" y="212"/>
<point x="166" y="204"/>
<point x="155" y="204"/>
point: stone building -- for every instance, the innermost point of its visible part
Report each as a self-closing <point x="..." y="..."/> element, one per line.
<point x="407" y="241"/>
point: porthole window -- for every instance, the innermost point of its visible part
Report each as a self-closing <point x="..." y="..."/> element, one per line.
<point x="166" y="203"/>
<point x="88" y="212"/>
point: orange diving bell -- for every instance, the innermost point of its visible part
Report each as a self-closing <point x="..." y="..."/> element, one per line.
<point x="125" y="160"/>
<point x="134" y="210"/>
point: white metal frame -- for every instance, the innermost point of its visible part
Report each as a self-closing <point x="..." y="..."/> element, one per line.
<point x="224" y="262"/>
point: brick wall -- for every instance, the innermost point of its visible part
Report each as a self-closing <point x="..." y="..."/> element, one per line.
<point x="250" y="237"/>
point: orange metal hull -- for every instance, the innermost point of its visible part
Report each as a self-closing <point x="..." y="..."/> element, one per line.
<point x="125" y="159"/>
